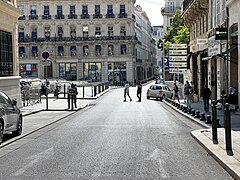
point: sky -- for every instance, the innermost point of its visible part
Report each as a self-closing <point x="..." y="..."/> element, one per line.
<point x="153" y="10"/>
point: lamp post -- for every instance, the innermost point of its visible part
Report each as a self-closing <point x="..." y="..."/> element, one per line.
<point x="45" y="56"/>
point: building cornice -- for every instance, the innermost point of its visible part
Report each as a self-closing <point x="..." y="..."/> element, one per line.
<point x="9" y="9"/>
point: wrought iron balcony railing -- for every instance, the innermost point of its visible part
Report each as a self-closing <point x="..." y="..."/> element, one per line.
<point x="110" y="15"/>
<point x="46" y="17"/>
<point x="122" y="15"/>
<point x="169" y="9"/>
<point x="33" y="17"/>
<point x="97" y="16"/>
<point x="85" y="16"/>
<point x="72" y="16"/>
<point x="59" y="16"/>
<point x="22" y="17"/>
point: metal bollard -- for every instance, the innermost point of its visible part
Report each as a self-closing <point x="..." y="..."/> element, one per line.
<point x="202" y="118"/>
<point x="185" y="109"/>
<point x="208" y="121"/>
<point x="189" y="110"/>
<point x="193" y="112"/>
<point x="197" y="115"/>
<point x="83" y="91"/>
<point x="214" y="122"/>
<point x="227" y="126"/>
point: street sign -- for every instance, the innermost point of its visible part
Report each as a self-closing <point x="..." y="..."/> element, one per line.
<point x="178" y="64"/>
<point x="178" y="71"/>
<point x="45" y="54"/>
<point x="178" y="58"/>
<point x="177" y="52"/>
<point x="178" y="46"/>
<point x="46" y="63"/>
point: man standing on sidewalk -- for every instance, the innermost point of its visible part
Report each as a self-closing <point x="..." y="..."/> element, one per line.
<point x="187" y="93"/>
<point x="126" y="91"/>
<point x="206" y="93"/>
<point x="139" y="91"/>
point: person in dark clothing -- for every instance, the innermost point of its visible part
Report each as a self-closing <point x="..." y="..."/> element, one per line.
<point x="139" y="91"/>
<point x="206" y="93"/>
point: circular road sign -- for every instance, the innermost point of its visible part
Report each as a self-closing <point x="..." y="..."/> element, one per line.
<point x="45" y="54"/>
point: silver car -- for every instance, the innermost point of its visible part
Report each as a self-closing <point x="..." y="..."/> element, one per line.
<point x="10" y="117"/>
<point x="159" y="91"/>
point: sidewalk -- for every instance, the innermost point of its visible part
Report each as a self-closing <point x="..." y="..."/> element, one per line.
<point x="204" y="136"/>
<point x="36" y="117"/>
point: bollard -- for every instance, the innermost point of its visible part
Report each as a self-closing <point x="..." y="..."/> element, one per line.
<point x="83" y="91"/>
<point x="197" y="115"/>
<point x="193" y="112"/>
<point x="214" y="122"/>
<point x="202" y="118"/>
<point x="64" y="90"/>
<point x="185" y="109"/>
<point x="189" y="110"/>
<point x="208" y="121"/>
<point x="94" y="91"/>
<point x="227" y="126"/>
<point x="218" y="124"/>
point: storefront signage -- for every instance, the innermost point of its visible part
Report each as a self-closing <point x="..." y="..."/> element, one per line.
<point x="202" y="41"/>
<point x="213" y="46"/>
<point x="221" y="34"/>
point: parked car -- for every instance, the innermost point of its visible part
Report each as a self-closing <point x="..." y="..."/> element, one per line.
<point x="159" y="91"/>
<point x="10" y="117"/>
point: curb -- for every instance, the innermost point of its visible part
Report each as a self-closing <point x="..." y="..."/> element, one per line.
<point x="229" y="163"/>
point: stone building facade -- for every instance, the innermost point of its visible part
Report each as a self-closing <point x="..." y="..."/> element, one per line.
<point x="9" y="69"/>
<point x="88" y="40"/>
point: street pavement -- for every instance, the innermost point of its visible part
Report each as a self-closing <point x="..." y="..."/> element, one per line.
<point x="37" y="116"/>
<point x="230" y="160"/>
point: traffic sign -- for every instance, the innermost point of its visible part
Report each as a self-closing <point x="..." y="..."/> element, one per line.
<point x="178" y="46"/>
<point x="178" y="58"/>
<point x="178" y="71"/>
<point x="46" y="63"/>
<point x="177" y="52"/>
<point x="45" y="54"/>
<point x="178" y="64"/>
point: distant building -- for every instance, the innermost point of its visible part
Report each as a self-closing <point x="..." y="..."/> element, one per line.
<point x="88" y="40"/>
<point x="9" y="69"/>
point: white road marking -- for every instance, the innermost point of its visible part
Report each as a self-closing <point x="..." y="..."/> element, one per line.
<point x="36" y="158"/>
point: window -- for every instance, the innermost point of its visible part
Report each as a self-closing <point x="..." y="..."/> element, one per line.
<point x="60" y="32"/>
<point x="72" y="10"/>
<point x="46" y="10"/>
<point x="97" y="9"/>
<point x="34" y="33"/>
<point x="85" y="31"/>
<point x="34" y="51"/>
<point x="21" y="51"/>
<point x="98" y="50"/>
<point x="109" y="9"/>
<point x="21" y="34"/>
<point x="59" y="9"/>
<point x="110" y="49"/>
<point x="47" y="32"/>
<point x="84" y="9"/>
<point x="21" y="8"/>
<point x="122" y="8"/>
<point x="123" y="31"/>
<point x="6" y="54"/>
<point x="33" y="10"/>
<point x="73" y="50"/>
<point x="110" y="31"/>
<point x="60" y="50"/>
<point x="98" y="32"/>
<point x="123" y="49"/>
<point x="85" y="50"/>
<point x="73" y="32"/>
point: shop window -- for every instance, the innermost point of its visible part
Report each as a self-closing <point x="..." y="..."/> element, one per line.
<point x="21" y="52"/>
<point x="85" y="50"/>
<point x="73" y="50"/>
<point x="60" y="51"/>
<point x="28" y="70"/>
<point x="110" y="50"/>
<point x="34" y="51"/>
<point x="123" y="49"/>
<point x="98" y="50"/>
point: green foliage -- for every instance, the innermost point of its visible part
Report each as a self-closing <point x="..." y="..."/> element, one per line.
<point x="182" y="36"/>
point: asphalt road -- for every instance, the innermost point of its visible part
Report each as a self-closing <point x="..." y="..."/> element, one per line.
<point x="114" y="140"/>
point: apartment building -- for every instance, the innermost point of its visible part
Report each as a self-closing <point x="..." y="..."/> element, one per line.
<point x="9" y="69"/>
<point x="195" y="15"/>
<point x="146" y="62"/>
<point x="88" y="40"/>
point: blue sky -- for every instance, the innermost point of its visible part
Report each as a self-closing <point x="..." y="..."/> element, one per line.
<point x="153" y="10"/>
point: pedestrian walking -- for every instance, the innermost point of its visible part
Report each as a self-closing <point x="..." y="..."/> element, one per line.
<point x="175" y="92"/>
<point x="139" y="91"/>
<point x="126" y="91"/>
<point x="187" y="93"/>
<point x="206" y="93"/>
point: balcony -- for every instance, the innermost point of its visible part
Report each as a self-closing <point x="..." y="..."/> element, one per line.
<point x="46" y="17"/>
<point x="33" y="17"/>
<point x="122" y="15"/>
<point x="22" y="17"/>
<point x="169" y="9"/>
<point x="85" y="16"/>
<point x="97" y="16"/>
<point x="110" y="15"/>
<point x="72" y="16"/>
<point x="59" y="16"/>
